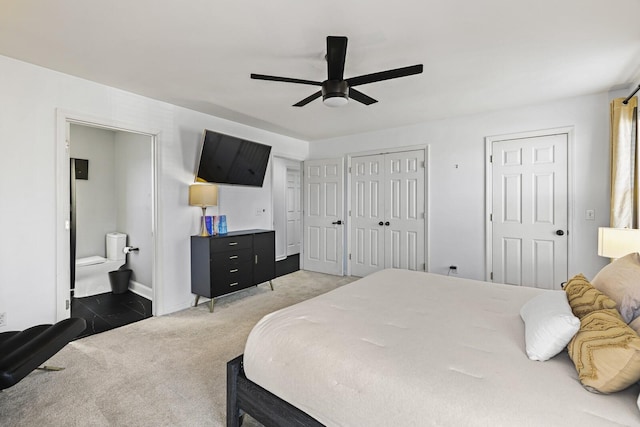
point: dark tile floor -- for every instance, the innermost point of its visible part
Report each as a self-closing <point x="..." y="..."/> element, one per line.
<point x="107" y="311"/>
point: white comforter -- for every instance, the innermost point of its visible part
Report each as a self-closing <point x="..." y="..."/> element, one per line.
<point x="403" y="348"/>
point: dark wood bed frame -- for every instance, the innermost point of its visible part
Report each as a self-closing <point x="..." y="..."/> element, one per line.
<point x="245" y="396"/>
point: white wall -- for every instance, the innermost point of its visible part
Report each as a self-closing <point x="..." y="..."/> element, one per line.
<point x="96" y="200"/>
<point x="457" y="195"/>
<point x="133" y="183"/>
<point x="30" y="98"/>
<point x="117" y="196"/>
<point x="31" y="95"/>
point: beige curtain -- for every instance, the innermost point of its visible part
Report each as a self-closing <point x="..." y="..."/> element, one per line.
<point x="624" y="164"/>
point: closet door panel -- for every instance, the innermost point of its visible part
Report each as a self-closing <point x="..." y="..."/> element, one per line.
<point x="405" y="210"/>
<point x="367" y="214"/>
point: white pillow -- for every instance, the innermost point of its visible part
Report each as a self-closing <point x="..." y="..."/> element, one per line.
<point x="549" y="324"/>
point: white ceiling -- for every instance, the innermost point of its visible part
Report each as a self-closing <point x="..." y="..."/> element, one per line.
<point x="477" y="55"/>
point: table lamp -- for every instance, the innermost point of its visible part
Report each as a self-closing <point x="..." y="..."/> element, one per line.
<point x="203" y="195"/>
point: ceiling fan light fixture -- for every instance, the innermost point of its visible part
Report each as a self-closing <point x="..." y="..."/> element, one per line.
<point x="335" y="100"/>
<point x="335" y="93"/>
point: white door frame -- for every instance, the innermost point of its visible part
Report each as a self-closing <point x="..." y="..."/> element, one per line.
<point x="63" y="246"/>
<point x="489" y="140"/>
<point x="427" y="205"/>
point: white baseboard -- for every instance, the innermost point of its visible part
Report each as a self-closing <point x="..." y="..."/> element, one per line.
<point x="140" y="289"/>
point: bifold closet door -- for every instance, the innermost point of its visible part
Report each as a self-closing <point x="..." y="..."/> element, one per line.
<point x="367" y="214"/>
<point x="405" y="210"/>
<point x="387" y="212"/>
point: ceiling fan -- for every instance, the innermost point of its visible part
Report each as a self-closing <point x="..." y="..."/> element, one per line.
<point x="337" y="90"/>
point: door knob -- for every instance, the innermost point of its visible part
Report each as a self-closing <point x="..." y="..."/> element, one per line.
<point x="338" y="222"/>
<point x="560" y="232"/>
<point x="387" y="223"/>
<point x="381" y="223"/>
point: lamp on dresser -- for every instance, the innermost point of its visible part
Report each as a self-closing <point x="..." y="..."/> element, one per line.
<point x="618" y="242"/>
<point x="203" y="195"/>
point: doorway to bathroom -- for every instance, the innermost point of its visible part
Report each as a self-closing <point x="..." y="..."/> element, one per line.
<point x="111" y="244"/>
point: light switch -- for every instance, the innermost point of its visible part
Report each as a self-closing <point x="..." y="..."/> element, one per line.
<point x="590" y="215"/>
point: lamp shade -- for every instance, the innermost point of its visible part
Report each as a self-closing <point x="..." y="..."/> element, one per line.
<point x="203" y="195"/>
<point x="618" y="242"/>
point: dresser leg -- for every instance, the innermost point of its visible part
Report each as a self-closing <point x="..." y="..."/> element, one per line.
<point x="196" y="303"/>
<point x="271" y="284"/>
<point x="211" y="306"/>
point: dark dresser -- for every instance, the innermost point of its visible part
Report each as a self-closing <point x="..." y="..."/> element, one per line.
<point x="227" y="263"/>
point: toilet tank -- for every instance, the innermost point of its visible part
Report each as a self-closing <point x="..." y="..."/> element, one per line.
<point x="115" y="246"/>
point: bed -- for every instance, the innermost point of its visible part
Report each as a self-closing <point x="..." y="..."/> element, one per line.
<point x="411" y="348"/>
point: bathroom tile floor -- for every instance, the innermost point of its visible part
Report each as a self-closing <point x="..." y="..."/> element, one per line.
<point x="107" y="311"/>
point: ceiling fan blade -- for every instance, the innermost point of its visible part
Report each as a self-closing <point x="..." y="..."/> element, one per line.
<point x="361" y="97"/>
<point x="285" y="79"/>
<point x="385" y="75"/>
<point x="308" y="99"/>
<point x="336" y="55"/>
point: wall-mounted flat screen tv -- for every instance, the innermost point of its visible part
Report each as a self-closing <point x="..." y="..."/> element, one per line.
<point x="229" y="160"/>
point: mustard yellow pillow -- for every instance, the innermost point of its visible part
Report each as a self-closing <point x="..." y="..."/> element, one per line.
<point x="584" y="298"/>
<point x="605" y="352"/>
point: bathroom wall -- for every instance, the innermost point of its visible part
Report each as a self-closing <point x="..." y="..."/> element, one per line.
<point x="96" y="206"/>
<point x="117" y="196"/>
<point x="134" y="189"/>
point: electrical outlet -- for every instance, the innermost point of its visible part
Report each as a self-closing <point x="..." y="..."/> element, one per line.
<point x="3" y="319"/>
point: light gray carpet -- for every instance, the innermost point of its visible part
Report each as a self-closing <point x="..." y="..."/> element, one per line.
<point x="162" y="371"/>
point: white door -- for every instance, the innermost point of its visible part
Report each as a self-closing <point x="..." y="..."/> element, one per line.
<point x="405" y="210"/>
<point x="323" y="210"/>
<point x="294" y="212"/>
<point x="367" y="214"/>
<point x="529" y="211"/>
<point x="388" y="212"/>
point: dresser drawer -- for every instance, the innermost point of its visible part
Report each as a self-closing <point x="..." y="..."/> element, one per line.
<point x="231" y="280"/>
<point x="219" y="244"/>
<point x="230" y="258"/>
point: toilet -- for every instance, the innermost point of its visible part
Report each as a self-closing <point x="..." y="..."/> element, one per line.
<point x="92" y="273"/>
